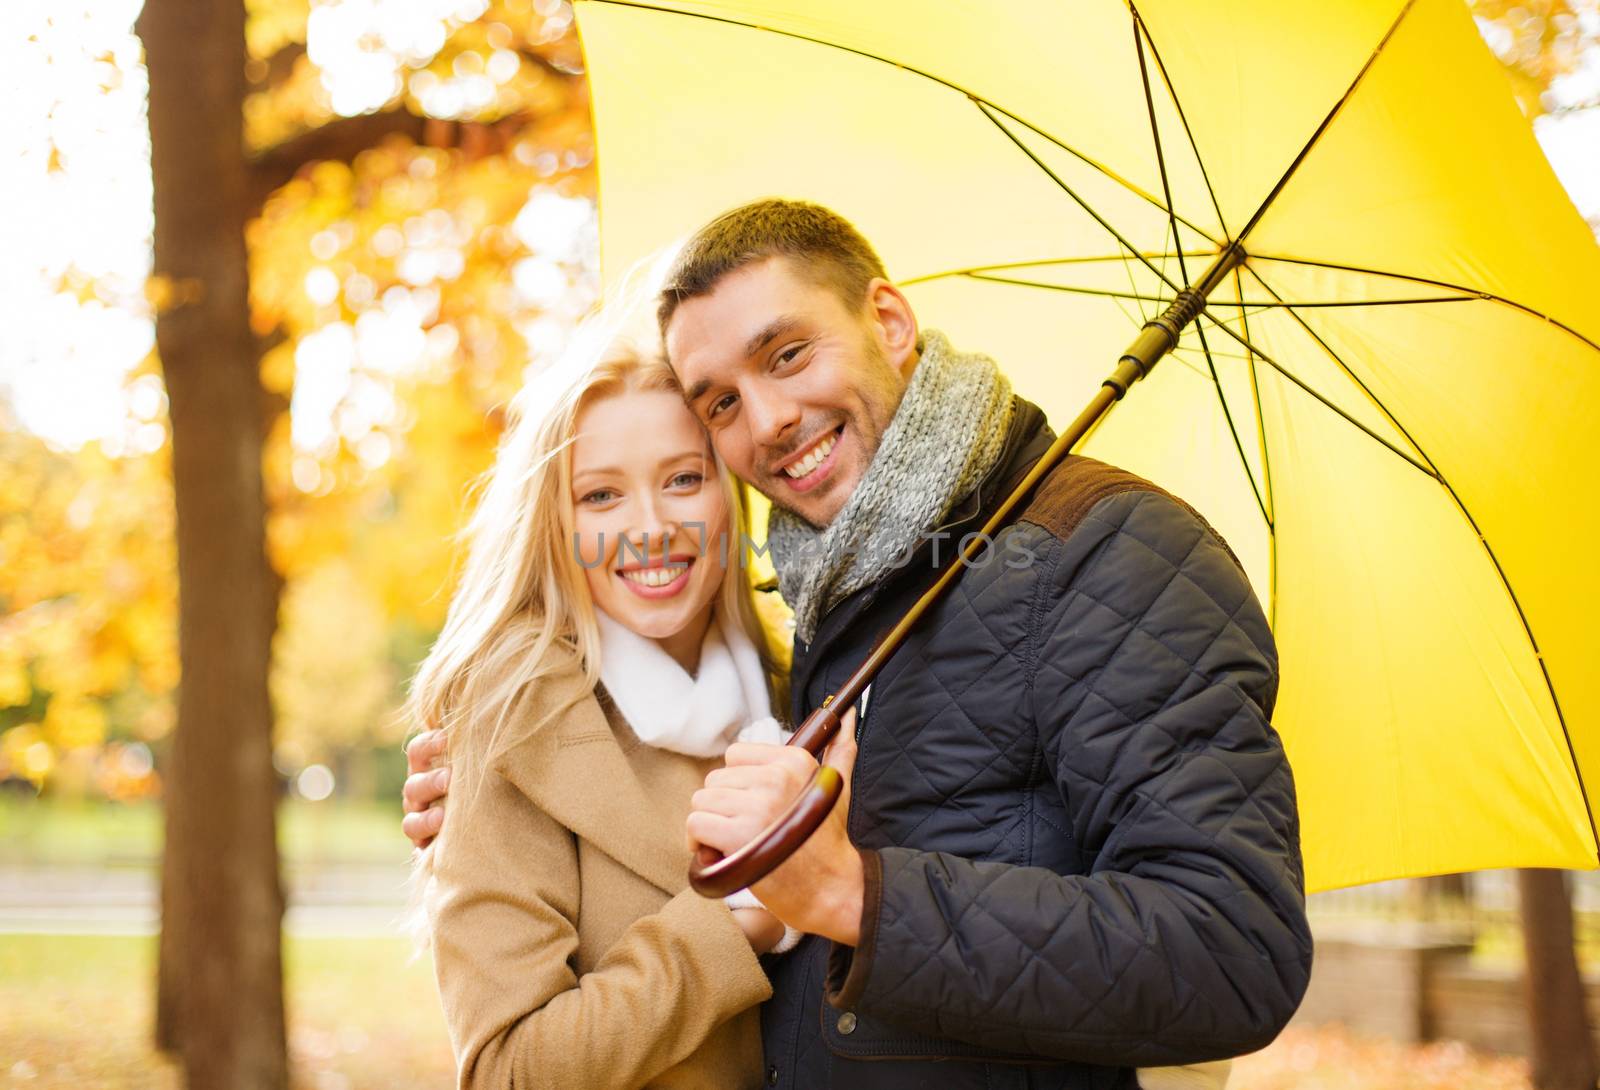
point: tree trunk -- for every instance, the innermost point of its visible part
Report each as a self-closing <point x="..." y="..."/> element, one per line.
<point x="1563" y="1056"/>
<point x="169" y="953"/>
<point x="223" y="903"/>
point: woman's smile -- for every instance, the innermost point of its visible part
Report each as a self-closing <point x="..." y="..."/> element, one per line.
<point x="660" y="580"/>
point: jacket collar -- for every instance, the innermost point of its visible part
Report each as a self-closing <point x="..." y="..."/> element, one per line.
<point x="1028" y="437"/>
<point x="573" y="767"/>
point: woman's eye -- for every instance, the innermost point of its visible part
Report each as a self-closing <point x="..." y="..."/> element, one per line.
<point x="687" y="477"/>
<point x="599" y="495"/>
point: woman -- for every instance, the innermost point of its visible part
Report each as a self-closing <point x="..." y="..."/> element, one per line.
<point x="602" y="651"/>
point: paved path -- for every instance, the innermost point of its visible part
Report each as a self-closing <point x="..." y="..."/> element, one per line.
<point x="356" y="900"/>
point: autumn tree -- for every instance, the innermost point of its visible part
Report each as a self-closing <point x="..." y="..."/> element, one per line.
<point x="87" y="596"/>
<point x="231" y="125"/>
<point x="222" y="900"/>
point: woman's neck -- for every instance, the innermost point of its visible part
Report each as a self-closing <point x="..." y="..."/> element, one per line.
<point x="684" y="644"/>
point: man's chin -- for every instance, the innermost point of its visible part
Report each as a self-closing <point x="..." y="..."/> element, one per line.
<point x="816" y="509"/>
<point x="805" y="516"/>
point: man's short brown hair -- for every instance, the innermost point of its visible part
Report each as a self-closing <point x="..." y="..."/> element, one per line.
<point x="826" y="248"/>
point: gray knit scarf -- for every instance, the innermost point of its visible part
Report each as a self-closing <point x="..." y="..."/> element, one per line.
<point x="947" y="433"/>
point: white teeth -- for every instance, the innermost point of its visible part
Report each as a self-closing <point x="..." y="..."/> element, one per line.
<point x="811" y="461"/>
<point x="654" y="577"/>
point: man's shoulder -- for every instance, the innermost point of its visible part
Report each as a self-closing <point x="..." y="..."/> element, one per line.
<point x="1074" y="487"/>
<point x="1079" y="484"/>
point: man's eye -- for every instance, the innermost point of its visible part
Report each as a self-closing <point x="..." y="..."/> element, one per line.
<point x="788" y="354"/>
<point x="720" y="404"/>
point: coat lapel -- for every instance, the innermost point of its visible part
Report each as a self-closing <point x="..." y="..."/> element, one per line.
<point x="574" y="769"/>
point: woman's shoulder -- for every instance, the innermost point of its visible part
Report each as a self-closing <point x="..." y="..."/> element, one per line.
<point x="514" y="704"/>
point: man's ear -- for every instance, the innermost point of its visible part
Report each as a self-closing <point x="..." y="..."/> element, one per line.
<point x="893" y="324"/>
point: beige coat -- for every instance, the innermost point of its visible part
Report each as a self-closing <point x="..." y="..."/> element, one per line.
<point x="568" y="950"/>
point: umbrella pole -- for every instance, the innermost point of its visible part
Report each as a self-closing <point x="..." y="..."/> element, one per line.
<point x="715" y="875"/>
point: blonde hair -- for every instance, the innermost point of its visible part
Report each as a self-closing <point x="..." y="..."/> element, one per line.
<point x="522" y="610"/>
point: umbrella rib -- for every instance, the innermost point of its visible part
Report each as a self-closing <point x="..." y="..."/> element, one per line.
<point x="1289" y="308"/>
<point x="1069" y="191"/>
<point x="1227" y="414"/>
<point x="1107" y="171"/>
<point x="1505" y="580"/>
<point x="1258" y="306"/>
<point x="1266" y="466"/>
<point x="1327" y="121"/>
<point x="1292" y="377"/>
<point x="915" y="71"/>
<point x="1254" y="304"/>
<point x="1485" y="296"/>
<point x="1155" y="138"/>
<point x="1089" y="260"/>
<point x="1133" y="289"/>
<point x="1070" y="289"/>
<point x="1177" y="104"/>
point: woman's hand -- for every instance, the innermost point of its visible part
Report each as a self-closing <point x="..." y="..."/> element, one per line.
<point x="761" y="927"/>
<point x="425" y="787"/>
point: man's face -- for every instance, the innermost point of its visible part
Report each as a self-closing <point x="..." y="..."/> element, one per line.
<point x="795" y="388"/>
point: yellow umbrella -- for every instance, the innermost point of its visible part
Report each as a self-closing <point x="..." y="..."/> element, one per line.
<point x="1390" y="409"/>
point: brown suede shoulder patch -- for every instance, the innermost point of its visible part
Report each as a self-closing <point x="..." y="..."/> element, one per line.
<point x="1060" y="501"/>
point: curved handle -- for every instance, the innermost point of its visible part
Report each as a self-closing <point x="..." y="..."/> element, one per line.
<point x="713" y="874"/>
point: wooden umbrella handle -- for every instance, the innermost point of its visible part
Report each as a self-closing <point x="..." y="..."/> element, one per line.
<point x="713" y="874"/>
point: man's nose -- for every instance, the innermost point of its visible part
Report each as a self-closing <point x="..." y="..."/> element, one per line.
<point x="770" y="416"/>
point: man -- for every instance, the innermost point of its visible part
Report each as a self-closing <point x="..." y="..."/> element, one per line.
<point x="1071" y="846"/>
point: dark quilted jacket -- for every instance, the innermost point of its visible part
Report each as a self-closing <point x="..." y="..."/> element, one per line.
<point x="1080" y="835"/>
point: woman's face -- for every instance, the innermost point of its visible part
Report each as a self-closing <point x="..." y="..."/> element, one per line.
<point x="651" y="517"/>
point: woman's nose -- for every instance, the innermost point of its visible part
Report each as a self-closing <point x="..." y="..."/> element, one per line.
<point x="653" y="533"/>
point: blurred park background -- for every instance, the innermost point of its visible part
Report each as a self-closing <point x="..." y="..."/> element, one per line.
<point x="414" y="183"/>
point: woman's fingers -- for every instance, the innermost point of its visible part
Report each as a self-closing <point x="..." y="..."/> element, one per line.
<point x="423" y="750"/>
<point x="421" y="828"/>
<point x="423" y="789"/>
<point x="422" y="796"/>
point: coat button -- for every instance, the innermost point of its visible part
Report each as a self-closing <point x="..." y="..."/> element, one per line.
<point x="772" y="1075"/>
<point x="847" y="1022"/>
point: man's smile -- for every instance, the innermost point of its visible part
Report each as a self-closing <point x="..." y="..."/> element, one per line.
<point x="806" y="468"/>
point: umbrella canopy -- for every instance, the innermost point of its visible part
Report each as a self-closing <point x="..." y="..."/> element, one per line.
<point x="1389" y="410"/>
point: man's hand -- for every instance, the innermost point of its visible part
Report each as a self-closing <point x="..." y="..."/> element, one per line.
<point x="425" y="788"/>
<point x="819" y="889"/>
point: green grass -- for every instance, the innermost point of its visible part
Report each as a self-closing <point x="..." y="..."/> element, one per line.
<point x="76" y="1011"/>
<point x="129" y="834"/>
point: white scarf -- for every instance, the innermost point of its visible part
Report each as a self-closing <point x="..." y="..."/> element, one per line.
<point x="725" y="701"/>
